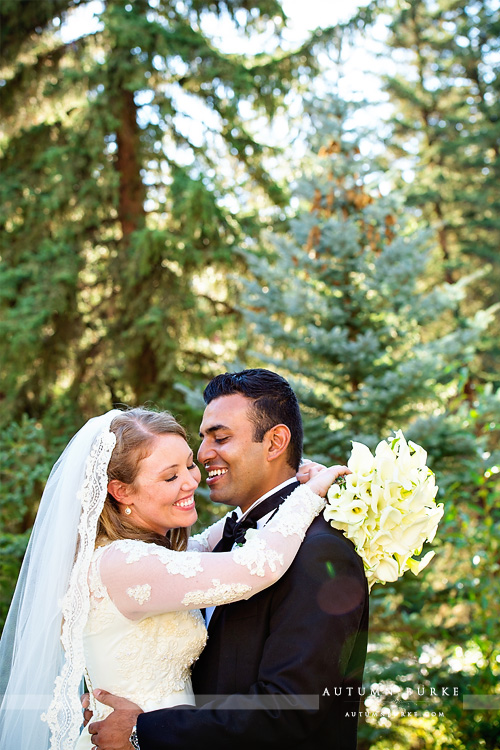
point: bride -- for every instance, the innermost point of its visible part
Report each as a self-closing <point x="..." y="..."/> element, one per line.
<point x="111" y="584"/>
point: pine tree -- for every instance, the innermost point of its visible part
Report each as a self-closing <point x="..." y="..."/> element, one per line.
<point x="118" y="221"/>
<point x="341" y="304"/>
<point x="447" y="129"/>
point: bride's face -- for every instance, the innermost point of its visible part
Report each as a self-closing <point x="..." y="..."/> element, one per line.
<point x="162" y="497"/>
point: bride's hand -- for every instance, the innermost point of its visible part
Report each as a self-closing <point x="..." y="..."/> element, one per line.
<point x="87" y="713"/>
<point x="322" y="479"/>
<point x="307" y="470"/>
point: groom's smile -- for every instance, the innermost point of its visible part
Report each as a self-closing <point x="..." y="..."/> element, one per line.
<point x="214" y="474"/>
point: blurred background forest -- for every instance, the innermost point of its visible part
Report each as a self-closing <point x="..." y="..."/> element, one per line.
<point x="174" y="205"/>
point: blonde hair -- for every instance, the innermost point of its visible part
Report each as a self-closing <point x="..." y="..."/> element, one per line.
<point x="136" y="430"/>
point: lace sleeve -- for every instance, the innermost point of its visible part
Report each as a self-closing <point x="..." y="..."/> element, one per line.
<point x="206" y="540"/>
<point x="145" y="579"/>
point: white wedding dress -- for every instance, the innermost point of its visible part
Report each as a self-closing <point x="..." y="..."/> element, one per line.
<point x="144" y="628"/>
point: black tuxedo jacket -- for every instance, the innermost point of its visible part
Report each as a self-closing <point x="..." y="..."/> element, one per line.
<point x="282" y="668"/>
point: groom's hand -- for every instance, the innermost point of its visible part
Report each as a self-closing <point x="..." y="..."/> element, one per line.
<point x="113" y="732"/>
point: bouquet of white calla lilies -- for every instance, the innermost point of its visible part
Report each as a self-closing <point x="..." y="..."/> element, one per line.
<point x="387" y="507"/>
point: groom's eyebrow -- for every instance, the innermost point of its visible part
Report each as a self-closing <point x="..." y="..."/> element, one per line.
<point x="213" y="429"/>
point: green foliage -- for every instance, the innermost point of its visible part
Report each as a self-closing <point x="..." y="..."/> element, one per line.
<point x="118" y="218"/>
<point x="120" y="234"/>
<point x="113" y="210"/>
<point x="447" y="128"/>
<point x="342" y="305"/>
<point x="441" y="630"/>
<point x="25" y="465"/>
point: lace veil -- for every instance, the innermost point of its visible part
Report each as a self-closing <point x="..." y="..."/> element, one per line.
<point x="41" y="651"/>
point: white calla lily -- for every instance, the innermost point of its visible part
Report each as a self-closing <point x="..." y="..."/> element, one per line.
<point x="361" y="460"/>
<point x="419" y="456"/>
<point x="387" y="570"/>
<point x="334" y="493"/>
<point x="351" y="512"/>
<point x="390" y="518"/>
<point x="416" y="566"/>
<point x="387" y="507"/>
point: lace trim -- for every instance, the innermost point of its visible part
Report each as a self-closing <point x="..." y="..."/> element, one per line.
<point x="298" y="511"/>
<point x="97" y="588"/>
<point x="256" y="554"/>
<point x="64" y="715"/>
<point x="220" y="593"/>
<point x="140" y="594"/>
<point x="186" y="564"/>
<point x="200" y="541"/>
<point x="158" y="652"/>
<point x="293" y="517"/>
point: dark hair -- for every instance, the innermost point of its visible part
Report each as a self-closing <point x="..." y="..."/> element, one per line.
<point x="274" y="402"/>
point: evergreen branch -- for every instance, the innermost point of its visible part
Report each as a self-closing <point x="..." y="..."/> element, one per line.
<point x="19" y="24"/>
<point x="217" y="304"/>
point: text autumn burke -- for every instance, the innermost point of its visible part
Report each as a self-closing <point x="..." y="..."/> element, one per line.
<point x="405" y="693"/>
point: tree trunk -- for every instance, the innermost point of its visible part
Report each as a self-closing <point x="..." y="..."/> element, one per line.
<point x="131" y="192"/>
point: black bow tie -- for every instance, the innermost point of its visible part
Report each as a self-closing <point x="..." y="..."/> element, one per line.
<point x="235" y="530"/>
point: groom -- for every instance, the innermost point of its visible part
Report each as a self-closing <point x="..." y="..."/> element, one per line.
<point x="284" y="667"/>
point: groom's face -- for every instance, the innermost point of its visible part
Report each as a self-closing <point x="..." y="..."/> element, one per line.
<point x="237" y="467"/>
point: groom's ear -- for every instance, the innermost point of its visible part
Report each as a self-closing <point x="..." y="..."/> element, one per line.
<point x="278" y="441"/>
<point x="118" y="490"/>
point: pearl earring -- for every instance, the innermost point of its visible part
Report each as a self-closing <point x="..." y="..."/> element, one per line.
<point x="128" y="510"/>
